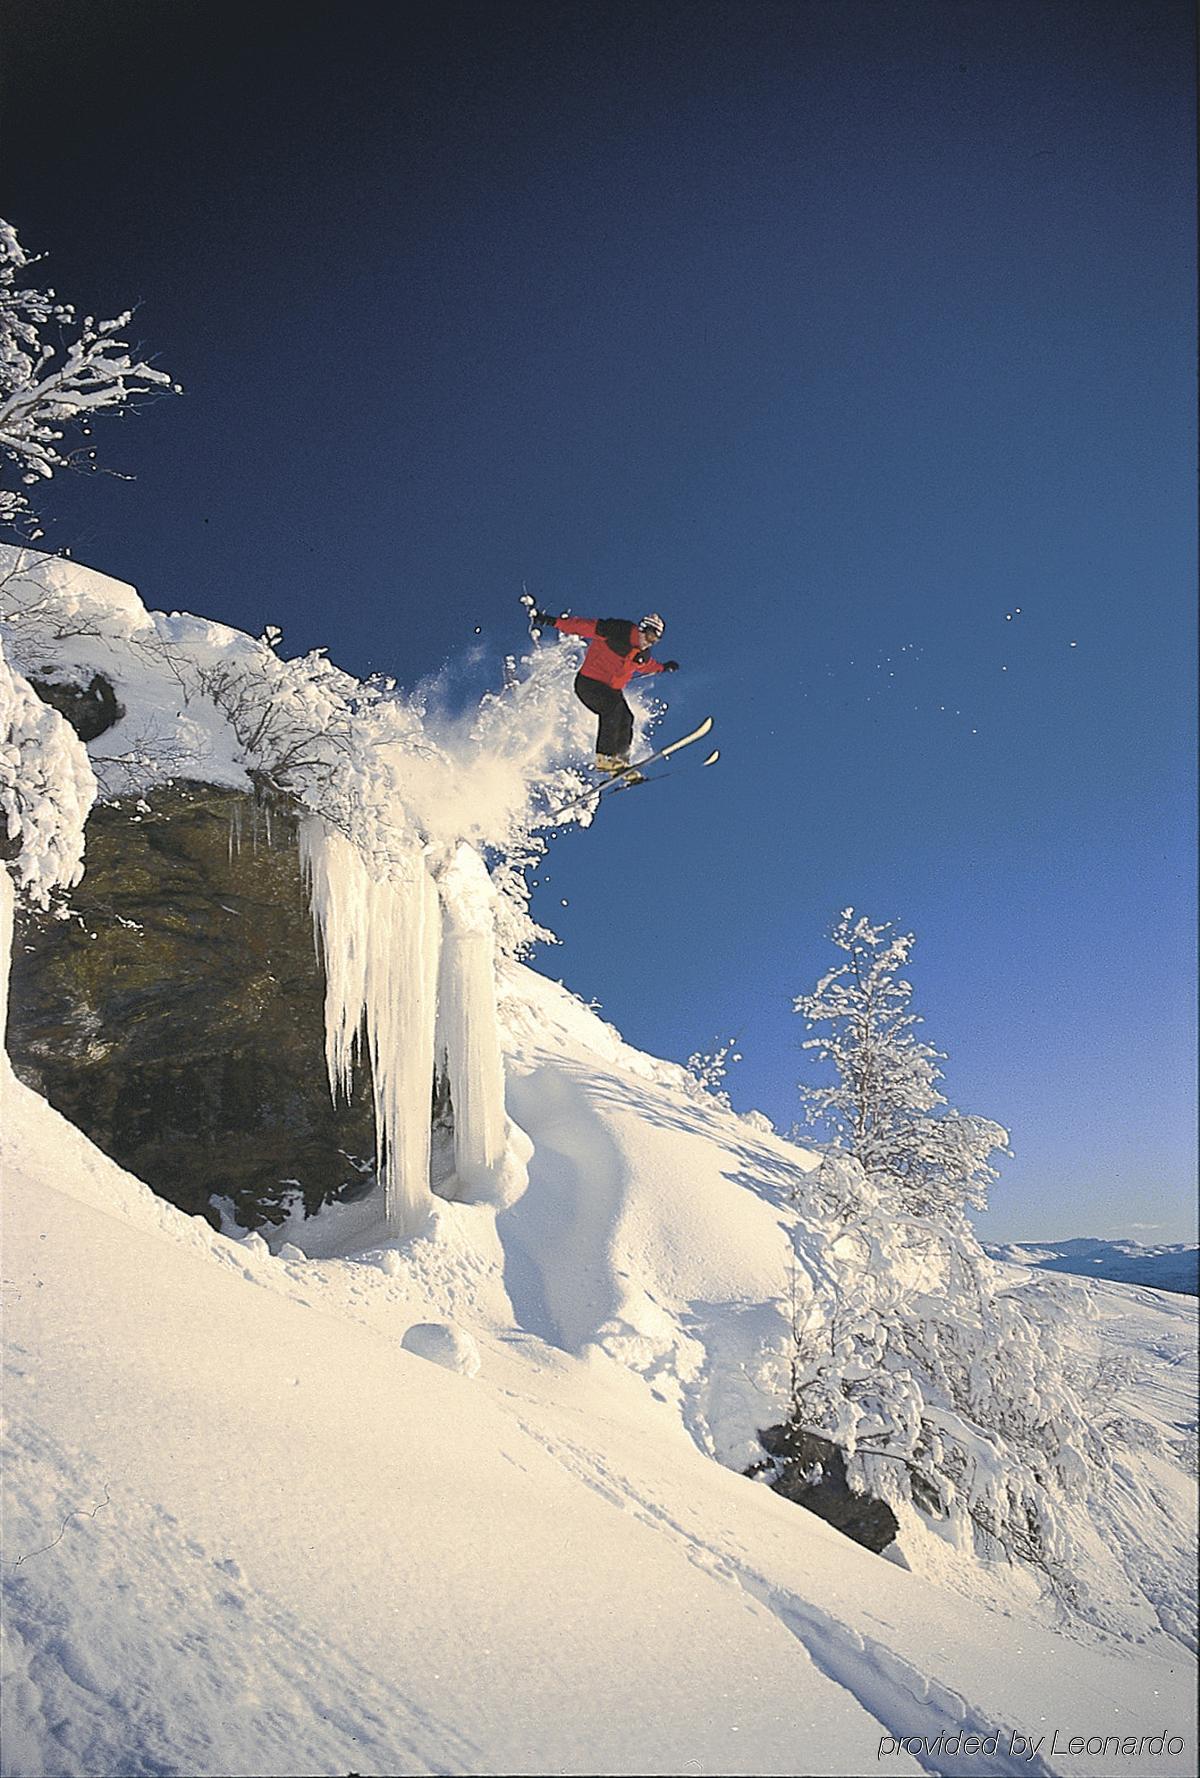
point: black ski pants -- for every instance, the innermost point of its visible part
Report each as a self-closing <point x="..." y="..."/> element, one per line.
<point x="616" y="718"/>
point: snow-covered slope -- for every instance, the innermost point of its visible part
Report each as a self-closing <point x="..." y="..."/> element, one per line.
<point x="249" y="1528"/>
<point x="1166" y="1267"/>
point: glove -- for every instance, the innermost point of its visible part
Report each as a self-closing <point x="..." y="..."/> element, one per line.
<point x="543" y="619"/>
<point x="670" y="666"/>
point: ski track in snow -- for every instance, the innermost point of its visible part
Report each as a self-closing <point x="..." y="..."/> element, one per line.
<point x="903" y="1700"/>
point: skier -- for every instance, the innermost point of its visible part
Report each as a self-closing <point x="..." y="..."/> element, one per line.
<point x="618" y="649"/>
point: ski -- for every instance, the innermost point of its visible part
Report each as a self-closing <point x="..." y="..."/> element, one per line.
<point x="618" y="780"/>
<point x="636" y="765"/>
<point x="661" y="777"/>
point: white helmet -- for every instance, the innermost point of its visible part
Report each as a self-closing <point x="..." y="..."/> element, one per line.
<point x="652" y="622"/>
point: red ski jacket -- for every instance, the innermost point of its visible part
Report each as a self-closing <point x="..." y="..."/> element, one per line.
<point x="616" y="651"/>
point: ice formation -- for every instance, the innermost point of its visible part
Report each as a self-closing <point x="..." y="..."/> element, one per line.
<point x="467" y="1036"/>
<point x="379" y="938"/>
<point x="7" y="901"/>
<point x="409" y="959"/>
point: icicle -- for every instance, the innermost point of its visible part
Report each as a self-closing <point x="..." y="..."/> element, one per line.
<point x="412" y="965"/>
<point x="466" y="1015"/>
<point x="338" y="888"/>
<point x="7" y="905"/>
<point x="401" y="995"/>
<point x="380" y="942"/>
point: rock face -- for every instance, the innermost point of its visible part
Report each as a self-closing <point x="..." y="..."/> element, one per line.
<point x="176" y="1017"/>
<point x="90" y="709"/>
<point x="812" y="1472"/>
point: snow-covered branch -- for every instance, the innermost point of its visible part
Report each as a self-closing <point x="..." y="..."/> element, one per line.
<point x="51" y="385"/>
<point x="708" y="1068"/>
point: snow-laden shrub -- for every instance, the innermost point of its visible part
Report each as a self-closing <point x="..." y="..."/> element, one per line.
<point x="292" y="718"/>
<point x="944" y="1388"/>
<point x="709" y="1068"/>
<point x="47" y="787"/>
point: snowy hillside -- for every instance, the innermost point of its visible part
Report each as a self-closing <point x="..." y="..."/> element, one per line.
<point x="452" y="1477"/>
<point x="1168" y="1267"/>
<point x="252" y="1527"/>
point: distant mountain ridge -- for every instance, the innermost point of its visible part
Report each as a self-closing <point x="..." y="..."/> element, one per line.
<point x="1167" y="1267"/>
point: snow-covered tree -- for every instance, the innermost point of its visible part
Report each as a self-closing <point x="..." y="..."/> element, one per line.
<point x="56" y="371"/>
<point x="46" y="790"/>
<point x="884" y="1106"/>
<point x="946" y="1389"/>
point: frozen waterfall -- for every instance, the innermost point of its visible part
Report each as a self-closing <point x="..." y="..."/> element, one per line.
<point x="410" y="966"/>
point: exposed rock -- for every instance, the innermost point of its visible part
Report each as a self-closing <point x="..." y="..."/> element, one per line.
<point x="812" y="1471"/>
<point x="90" y="709"/>
<point x="176" y="1017"/>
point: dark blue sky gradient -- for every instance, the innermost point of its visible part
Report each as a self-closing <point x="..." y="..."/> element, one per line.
<point x="834" y="332"/>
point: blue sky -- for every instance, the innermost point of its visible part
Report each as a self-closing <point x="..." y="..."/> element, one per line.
<point x="858" y="339"/>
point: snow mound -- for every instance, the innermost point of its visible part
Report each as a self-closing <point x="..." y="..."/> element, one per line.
<point x="443" y="1343"/>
